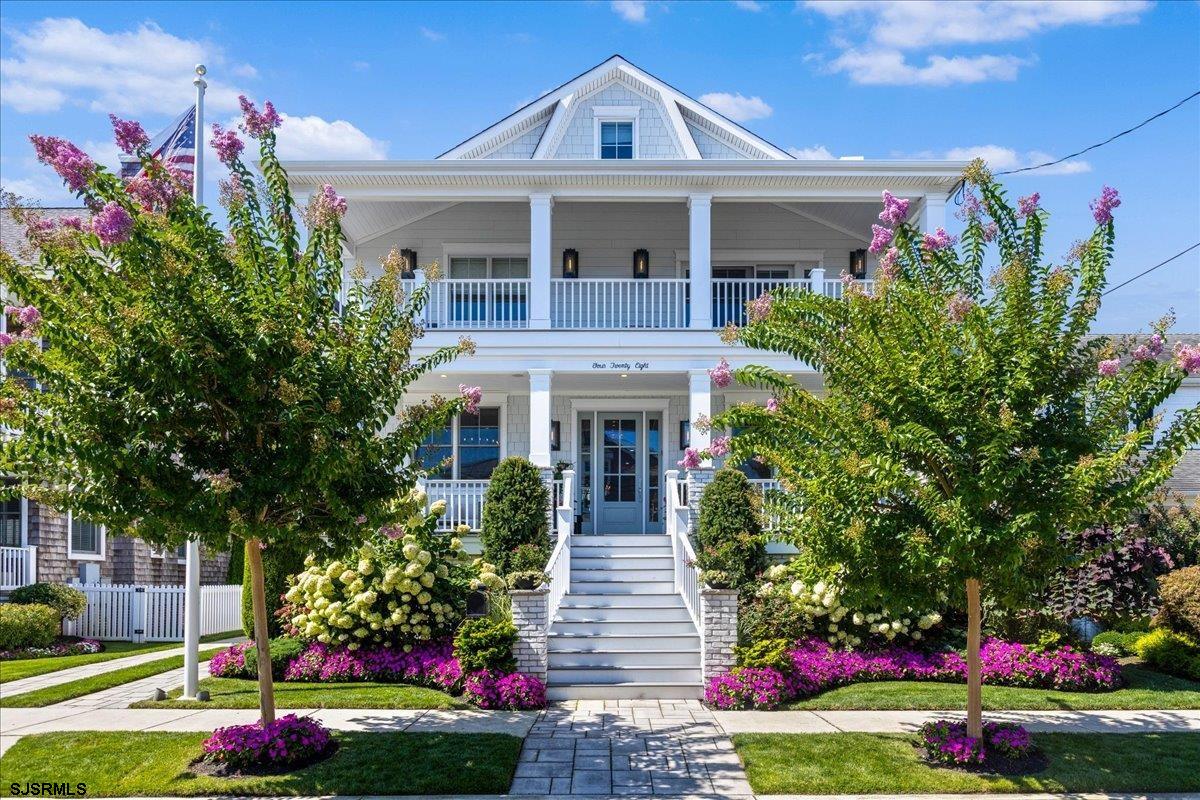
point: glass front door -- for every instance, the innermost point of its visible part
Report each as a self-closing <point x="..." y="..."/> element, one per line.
<point x="620" y="477"/>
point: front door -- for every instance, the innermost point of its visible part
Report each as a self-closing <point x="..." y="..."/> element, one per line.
<point x="619" y="501"/>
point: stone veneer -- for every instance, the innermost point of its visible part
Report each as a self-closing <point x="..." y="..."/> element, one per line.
<point x="531" y="616"/>
<point x="718" y="631"/>
<point x="697" y="479"/>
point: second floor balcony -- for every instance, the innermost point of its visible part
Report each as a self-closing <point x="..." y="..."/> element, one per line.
<point x="605" y="303"/>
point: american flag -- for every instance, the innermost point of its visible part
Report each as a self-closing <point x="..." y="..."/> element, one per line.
<point x="174" y="145"/>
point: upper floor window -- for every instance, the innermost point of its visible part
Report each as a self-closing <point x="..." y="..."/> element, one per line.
<point x="616" y="139"/>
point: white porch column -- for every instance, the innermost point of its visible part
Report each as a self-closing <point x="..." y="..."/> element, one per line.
<point x="816" y="279"/>
<point x="700" y="258"/>
<point x="933" y="212"/>
<point x="699" y="402"/>
<point x="540" y="214"/>
<point x="539" y="417"/>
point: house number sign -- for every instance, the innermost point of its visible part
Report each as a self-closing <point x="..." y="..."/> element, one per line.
<point x="622" y="365"/>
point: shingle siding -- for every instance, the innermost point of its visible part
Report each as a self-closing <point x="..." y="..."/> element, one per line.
<point x="655" y="136"/>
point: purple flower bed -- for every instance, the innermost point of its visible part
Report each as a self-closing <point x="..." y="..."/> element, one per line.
<point x="816" y="667"/>
<point x="515" y="691"/>
<point x="287" y="741"/>
<point x="230" y="662"/>
<point x="65" y="647"/>
<point x="947" y="742"/>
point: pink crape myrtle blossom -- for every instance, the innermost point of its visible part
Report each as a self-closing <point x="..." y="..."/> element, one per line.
<point x="6" y="340"/>
<point x="1103" y="205"/>
<point x="702" y="423"/>
<point x="721" y="375"/>
<point x="129" y="134"/>
<point x="759" y="308"/>
<point x="227" y="145"/>
<point x="258" y="124"/>
<point x="894" y="211"/>
<point x="958" y="307"/>
<point x="938" y="240"/>
<point x="1187" y="357"/>
<point x="691" y="459"/>
<point x="991" y="231"/>
<point x="1150" y="350"/>
<point x="326" y="206"/>
<point x="881" y="237"/>
<point x="1028" y="205"/>
<point x="72" y="164"/>
<point x="719" y="446"/>
<point x="112" y="224"/>
<point x="159" y="192"/>
<point x="772" y="405"/>
<point x="473" y="395"/>
<point x="1109" y="367"/>
<point x="971" y="207"/>
<point x="888" y="266"/>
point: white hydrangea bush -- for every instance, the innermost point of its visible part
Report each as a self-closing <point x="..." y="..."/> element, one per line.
<point x="407" y="583"/>
<point x="819" y="605"/>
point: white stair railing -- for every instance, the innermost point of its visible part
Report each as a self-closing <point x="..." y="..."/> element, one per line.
<point x="558" y="567"/>
<point x="687" y="576"/>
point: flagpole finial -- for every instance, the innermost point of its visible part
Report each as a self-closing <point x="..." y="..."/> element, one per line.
<point x="201" y="69"/>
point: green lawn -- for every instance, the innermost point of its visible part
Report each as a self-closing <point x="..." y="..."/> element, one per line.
<point x="126" y="764"/>
<point x="240" y="693"/>
<point x="864" y="763"/>
<point x="1145" y="689"/>
<point x="31" y="667"/>
<point x="105" y="680"/>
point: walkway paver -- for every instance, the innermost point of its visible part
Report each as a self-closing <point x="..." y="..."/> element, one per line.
<point x="24" y="685"/>
<point x="629" y="747"/>
<point x="907" y="721"/>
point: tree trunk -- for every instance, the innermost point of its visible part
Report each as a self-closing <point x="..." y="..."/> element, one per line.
<point x="974" y="663"/>
<point x="262" y="643"/>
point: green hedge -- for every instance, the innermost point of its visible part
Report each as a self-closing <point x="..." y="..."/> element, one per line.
<point x="283" y="650"/>
<point x="485" y="644"/>
<point x="1172" y="653"/>
<point x="515" y="512"/>
<point x="729" y="536"/>
<point x="1124" y="641"/>
<point x="1180" y="594"/>
<point x="28" y="625"/>
<point x="279" y="563"/>
<point x="67" y="601"/>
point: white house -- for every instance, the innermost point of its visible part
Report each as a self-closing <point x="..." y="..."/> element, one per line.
<point x="593" y="243"/>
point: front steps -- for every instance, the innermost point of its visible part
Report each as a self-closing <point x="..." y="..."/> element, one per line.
<point x="622" y="631"/>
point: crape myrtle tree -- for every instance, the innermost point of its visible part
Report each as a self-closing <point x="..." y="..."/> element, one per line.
<point x="967" y="421"/>
<point x="197" y="383"/>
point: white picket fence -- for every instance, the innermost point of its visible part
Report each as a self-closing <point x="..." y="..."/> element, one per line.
<point x="124" y="612"/>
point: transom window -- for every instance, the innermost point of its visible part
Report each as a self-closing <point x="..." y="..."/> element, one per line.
<point x="87" y="539"/>
<point x="616" y="139"/>
<point x="468" y="450"/>
<point x="477" y="267"/>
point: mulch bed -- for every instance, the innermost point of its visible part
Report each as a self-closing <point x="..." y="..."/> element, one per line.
<point x="216" y="770"/>
<point x="994" y="764"/>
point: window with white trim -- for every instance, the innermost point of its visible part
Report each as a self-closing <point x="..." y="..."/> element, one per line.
<point x="85" y="539"/>
<point x="12" y="520"/>
<point x="504" y="300"/>
<point x="616" y="139"/>
<point x="468" y="450"/>
<point x="479" y="267"/>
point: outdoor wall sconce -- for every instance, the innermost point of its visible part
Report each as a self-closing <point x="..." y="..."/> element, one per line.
<point x="858" y="263"/>
<point x="570" y="263"/>
<point x="685" y="434"/>
<point x="641" y="263"/>
<point x="408" y="271"/>
<point x="555" y="430"/>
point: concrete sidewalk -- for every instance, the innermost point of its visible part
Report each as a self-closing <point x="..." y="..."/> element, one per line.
<point x="24" y="685"/>
<point x="908" y="721"/>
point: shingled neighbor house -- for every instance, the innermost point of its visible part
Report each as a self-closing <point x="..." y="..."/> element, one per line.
<point x="40" y="543"/>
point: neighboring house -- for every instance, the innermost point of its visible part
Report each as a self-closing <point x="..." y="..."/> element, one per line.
<point x="593" y="243"/>
<point x="40" y="543"/>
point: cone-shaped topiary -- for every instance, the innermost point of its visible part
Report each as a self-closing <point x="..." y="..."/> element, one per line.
<point x="730" y="538"/>
<point x="514" y="511"/>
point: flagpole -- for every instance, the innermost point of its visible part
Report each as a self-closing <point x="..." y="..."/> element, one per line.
<point x="191" y="604"/>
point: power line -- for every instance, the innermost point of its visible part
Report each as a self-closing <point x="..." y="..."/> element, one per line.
<point x="1148" y="271"/>
<point x="1144" y="122"/>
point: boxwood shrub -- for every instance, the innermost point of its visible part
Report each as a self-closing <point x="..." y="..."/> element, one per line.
<point x="729" y="537"/>
<point x="67" y="601"/>
<point x="28" y="625"/>
<point x="486" y="644"/>
<point x="515" y="512"/>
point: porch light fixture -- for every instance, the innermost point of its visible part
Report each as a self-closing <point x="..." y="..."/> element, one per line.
<point x="570" y="263"/>
<point x="555" y="431"/>
<point x="408" y="271"/>
<point x="858" y="263"/>
<point x="685" y="434"/>
<point x="641" y="263"/>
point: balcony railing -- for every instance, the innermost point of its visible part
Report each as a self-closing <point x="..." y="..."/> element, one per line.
<point x="619" y="303"/>
<point x="600" y="303"/>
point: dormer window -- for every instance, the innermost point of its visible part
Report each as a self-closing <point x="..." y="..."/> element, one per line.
<point x="616" y="139"/>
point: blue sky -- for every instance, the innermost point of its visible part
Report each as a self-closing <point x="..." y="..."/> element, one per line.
<point x="1017" y="82"/>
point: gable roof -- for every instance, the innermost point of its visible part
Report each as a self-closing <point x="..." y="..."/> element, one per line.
<point x="553" y="110"/>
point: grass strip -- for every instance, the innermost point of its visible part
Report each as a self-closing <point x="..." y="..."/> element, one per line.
<point x="1145" y="689"/>
<point x="105" y="680"/>
<point x="17" y="669"/>
<point x="123" y="764"/>
<point x="240" y="693"/>
<point x="864" y="763"/>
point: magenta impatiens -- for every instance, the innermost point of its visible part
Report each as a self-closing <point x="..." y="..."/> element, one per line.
<point x="288" y="741"/>
<point x="947" y="742"/>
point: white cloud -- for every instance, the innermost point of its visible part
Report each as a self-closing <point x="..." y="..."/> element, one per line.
<point x="816" y="153"/>
<point x="432" y="35"/>
<point x="885" y="31"/>
<point x="748" y="5"/>
<point x="39" y="186"/>
<point x="630" y="10"/>
<point x="891" y="68"/>
<point x="310" y="138"/>
<point x="360" y="66"/>
<point x="1000" y="159"/>
<point x="60" y="61"/>
<point x="737" y="107"/>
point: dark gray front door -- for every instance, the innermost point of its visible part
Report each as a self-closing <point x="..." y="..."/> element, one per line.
<point x="619" y="501"/>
